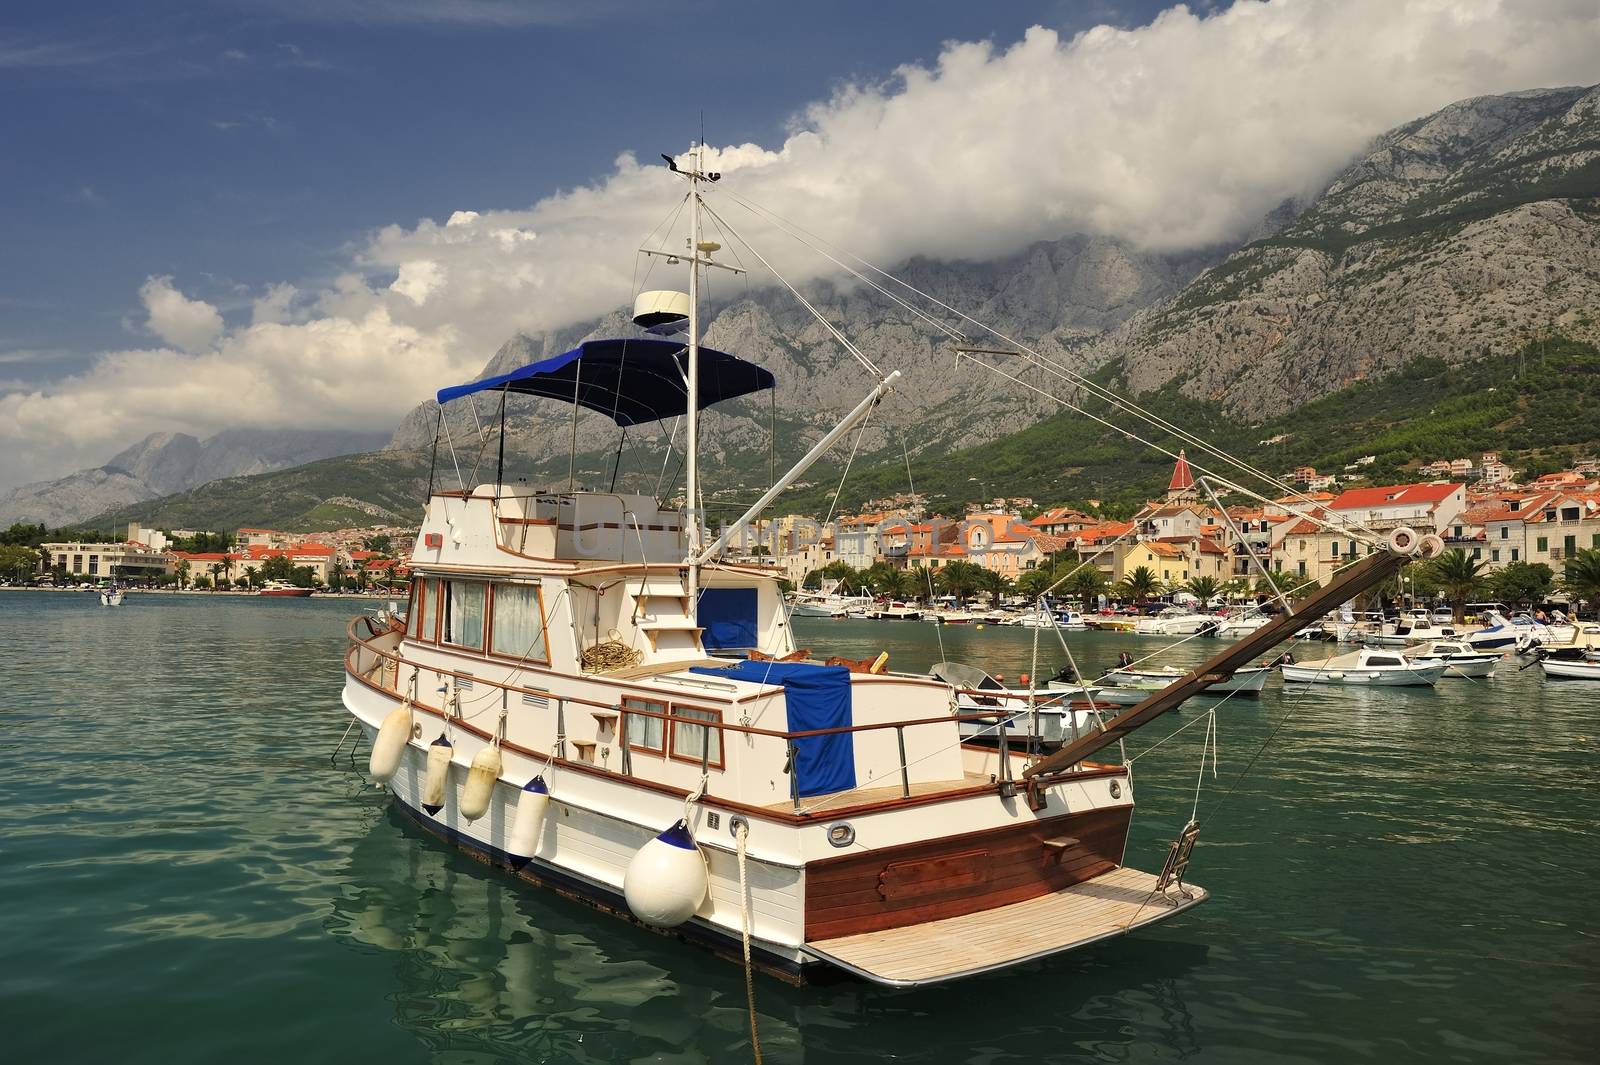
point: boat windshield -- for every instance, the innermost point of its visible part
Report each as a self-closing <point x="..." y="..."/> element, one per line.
<point x="961" y="675"/>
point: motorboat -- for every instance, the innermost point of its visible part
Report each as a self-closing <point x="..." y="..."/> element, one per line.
<point x="1417" y="628"/>
<point x="587" y="695"/>
<point x="1459" y="658"/>
<point x="1366" y="666"/>
<point x="894" y="611"/>
<point x="1247" y="681"/>
<point x="1522" y="632"/>
<point x="1043" y="715"/>
<point x="1176" y="621"/>
<point x="1235" y="626"/>
<point x="804" y="604"/>
<point x="1578" y="660"/>
<point x="283" y="590"/>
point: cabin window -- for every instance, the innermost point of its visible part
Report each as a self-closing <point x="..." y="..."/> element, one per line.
<point x="463" y="614"/>
<point x="414" y="614"/>
<point x="688" y="740"/>
<point x="646" y="733"/>
<point x="518" y="629"/>
<point x="1381" y="660"/>
<point x="430" y="611"/>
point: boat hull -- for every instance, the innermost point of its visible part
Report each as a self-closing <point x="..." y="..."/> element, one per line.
<point x="1559" y="670"/>
<point x="285" y="593"/>
<point x="1412" y="677"/>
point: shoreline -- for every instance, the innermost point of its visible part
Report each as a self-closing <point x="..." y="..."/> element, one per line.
<point x="396" y="595"/>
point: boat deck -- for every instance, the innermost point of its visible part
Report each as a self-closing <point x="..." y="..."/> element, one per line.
<point x="887" y="793"/>
<point x="1110" y="905"/>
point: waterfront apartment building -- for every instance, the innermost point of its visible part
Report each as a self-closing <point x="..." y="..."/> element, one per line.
<point x="124" y="561"/>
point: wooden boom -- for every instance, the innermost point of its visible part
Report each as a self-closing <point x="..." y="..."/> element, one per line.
<point x="1370" y="571"/>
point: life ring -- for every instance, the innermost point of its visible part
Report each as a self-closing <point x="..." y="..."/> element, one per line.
<point x="1403" y="540"/>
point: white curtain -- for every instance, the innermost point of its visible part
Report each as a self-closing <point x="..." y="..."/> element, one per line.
<point x="646" y="732"/>
<point x="688" y="739"/>
<point x="518" y="626"/>
<point x="466" y="614"/>
<point x="430" y="611"/>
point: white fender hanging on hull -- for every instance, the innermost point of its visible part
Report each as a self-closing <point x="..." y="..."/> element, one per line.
<point x="485" y="770"/>
<point x="439" y="754"/>
<point x="393" y="735"/>
<point x="666" y="881"/>
<point x="528" y="826"/>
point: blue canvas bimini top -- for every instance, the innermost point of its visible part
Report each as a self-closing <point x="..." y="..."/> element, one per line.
<point x="629" y="381"/>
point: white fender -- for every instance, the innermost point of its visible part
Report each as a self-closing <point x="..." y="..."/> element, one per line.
<point x="393" y="735"/>
<point x="666" y="881"/>
<point x="439" y="752"/>
<point x="485" y="770"/>
<point x="1403" y="540"/>
<point x="528" y="827"/>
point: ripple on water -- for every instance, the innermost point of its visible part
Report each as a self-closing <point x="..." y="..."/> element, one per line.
<point x="1400" y="878"/>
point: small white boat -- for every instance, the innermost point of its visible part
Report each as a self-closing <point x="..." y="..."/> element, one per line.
<point x="1239" y="626"/>
<point x="1175" y="621"/>
<point x="1248" y="681"/>
<point x="894" y="611"/>
<point x="1365" y="667"/>
<point x="1459" y="658"/>
<point x="1418" y="628"/>
<point x="1579" y="660"/>
<point x="1050" y="718"/>
<point x="817" y="605"/>
<point x="111" y="596"/>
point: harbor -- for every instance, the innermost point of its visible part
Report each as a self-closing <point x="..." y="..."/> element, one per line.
<point x="1380" y="878"/>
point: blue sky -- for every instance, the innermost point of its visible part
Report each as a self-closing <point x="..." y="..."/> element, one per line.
<point x="310" y="213"/>
<point x="234" y="144"/>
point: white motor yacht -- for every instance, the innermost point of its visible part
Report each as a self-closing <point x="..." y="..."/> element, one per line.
<point x="1459" y="658"/>
<point x="1365" y="666"/>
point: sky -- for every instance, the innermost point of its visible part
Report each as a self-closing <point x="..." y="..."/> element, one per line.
<point x="312" y="213"/>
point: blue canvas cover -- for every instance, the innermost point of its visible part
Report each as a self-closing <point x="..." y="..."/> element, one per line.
<point x="816" y="697"/>
<point x="729" y="617"/>
<point x="629" y="381"/>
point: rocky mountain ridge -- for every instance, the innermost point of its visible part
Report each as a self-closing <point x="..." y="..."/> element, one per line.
<point x="166" y="463"/>
<point x="1460" y="235"/>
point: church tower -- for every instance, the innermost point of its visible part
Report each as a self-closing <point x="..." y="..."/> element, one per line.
<point x="1181" y="488"/>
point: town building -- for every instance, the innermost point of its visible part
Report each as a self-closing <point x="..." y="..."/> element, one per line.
<point x="129" y="560"/>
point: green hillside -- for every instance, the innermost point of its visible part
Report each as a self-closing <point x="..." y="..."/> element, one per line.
<point x="1538" y="409"/>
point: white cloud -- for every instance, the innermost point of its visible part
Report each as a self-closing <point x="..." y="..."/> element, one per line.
<point x="172" y="316"/>
<point x="1173" y="135"/>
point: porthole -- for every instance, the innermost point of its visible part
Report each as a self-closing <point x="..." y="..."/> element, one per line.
<point x="842" y="834"/>
<point x="1116" y="790"/>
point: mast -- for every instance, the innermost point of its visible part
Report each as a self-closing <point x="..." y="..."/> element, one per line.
<point x="692" y="443"/>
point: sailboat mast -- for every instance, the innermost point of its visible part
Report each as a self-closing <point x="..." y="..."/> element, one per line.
<point x="692" y="465"/>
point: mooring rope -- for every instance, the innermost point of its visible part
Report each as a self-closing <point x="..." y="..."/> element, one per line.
<point x="742" y="833"/>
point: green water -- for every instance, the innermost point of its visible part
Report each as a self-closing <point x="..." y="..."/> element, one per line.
<point x="1403" y="876"/>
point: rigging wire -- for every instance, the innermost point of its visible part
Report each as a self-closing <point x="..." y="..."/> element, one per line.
<point x="818" y="244"/>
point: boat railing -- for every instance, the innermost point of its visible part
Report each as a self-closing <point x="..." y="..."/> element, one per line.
<point x="382" y="668"/>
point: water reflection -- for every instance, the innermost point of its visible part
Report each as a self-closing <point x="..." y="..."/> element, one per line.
<point x="487" y="968"/>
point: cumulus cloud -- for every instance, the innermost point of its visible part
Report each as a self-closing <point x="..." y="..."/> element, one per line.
<point x="1174" y="135"/>
<point x="190" y="324"/>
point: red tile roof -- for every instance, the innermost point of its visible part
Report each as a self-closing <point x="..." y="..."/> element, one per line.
<point x="1391" y="495"/>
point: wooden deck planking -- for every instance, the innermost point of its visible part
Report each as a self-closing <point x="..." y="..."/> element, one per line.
<point x="1111" y="904"/>
<point x="886" y="793"/>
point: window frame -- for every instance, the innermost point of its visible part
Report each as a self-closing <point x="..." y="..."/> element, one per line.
<point x="489" y="616"/>
<point x="674" y="720"/>
<point x="444" y="629"/>
<point x="640" y="702"/>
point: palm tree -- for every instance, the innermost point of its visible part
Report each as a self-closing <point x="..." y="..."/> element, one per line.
<point x="1459" y="575"/>
<point x="912" y="583"/>
<point x="960" y="579"/>
<point x="217" y="570"/>
<point x="1087" y="586"/>
<point x="994" y="585"/>
<point x="1581" y="576"/>
<point x="1141" y="584"/>
<point x="1204" y="589"/>
<point x="183" y="572"/>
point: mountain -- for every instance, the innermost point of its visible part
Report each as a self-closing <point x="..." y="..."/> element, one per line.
<point x="1068" y="290"/>
<point x="1457" y="238"/>
<point x="1460" y="235"/>
<point x="164" y="463"/>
